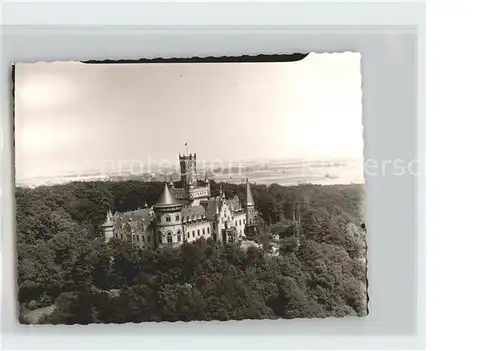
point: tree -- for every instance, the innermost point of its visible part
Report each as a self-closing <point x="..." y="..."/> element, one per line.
<point x="62" y="258"/>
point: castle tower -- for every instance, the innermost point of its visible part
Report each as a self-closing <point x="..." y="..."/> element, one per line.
<point x="108" y="227"/>
<point x="168" y="229"/>
<point x="188" y="169"/>
<point x="251" y="213"/>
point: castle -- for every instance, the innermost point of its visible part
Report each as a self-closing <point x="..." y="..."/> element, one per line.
<point x="184" y="213"/>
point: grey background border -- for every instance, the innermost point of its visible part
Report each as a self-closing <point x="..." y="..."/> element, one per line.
<point x="393" y="129"/>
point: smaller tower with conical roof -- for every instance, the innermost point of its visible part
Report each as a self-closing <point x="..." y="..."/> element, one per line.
<point x="168" y="219"/>
<point x="108" y="227"/>
<point x="251" y="213"/>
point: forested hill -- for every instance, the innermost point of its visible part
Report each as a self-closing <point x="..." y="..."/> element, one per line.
<point x="62" y="258"/>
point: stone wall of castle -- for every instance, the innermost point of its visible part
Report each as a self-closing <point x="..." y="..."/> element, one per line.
<point x="195" y="231"/>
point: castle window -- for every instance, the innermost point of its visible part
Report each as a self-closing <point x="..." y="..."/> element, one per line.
<point x="208" y="230"/>
<point x="198" y="232"/>
<point x="203" y="231"/>
<point x="169" y="238"/>
<point x="179" y="238"/>
<point x="188" y="235"/>
<point x="167" y="218"/>
<point x="177" y="217"/>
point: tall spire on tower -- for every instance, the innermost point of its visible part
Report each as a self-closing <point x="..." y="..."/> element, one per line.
<point x="249" y="197"/>
<point x="167" y="199"/>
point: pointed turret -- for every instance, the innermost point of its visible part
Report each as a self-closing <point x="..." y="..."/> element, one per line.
<point x="167" y="199"/>
<point x="251" y="214"/>
<point x="249" y="197"/>
<point x="216" y="205"/>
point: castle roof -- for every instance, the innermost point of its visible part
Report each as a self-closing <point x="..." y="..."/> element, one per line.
<point x="249" y="197"/>
<point x="212" y="207"/>
<point x="192" y="212"/>
<point x="234" y="204"/>
<point x="138" y="220"/>
<point x="167" y="199"/>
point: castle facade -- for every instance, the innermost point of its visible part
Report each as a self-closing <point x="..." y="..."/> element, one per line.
<point x="184" y="213"/>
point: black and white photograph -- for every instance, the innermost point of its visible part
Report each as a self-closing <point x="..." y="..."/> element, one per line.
<point x="190" y="191"/>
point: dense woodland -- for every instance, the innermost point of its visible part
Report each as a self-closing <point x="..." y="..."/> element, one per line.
<point x="63" y="260"/>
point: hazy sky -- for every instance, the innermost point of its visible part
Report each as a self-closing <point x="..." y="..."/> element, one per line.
<point x="73" y="116"/>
